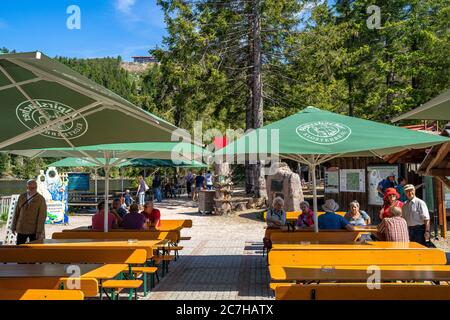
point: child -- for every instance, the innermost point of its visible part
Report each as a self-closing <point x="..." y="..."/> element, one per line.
<point x="128" y="200"/>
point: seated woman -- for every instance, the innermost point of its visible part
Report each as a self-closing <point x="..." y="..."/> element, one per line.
<point x="275" y="218"/>
<point x="391" y="199"/>
<point x="134" y="219"/>
<point x="306" y="218"/>
<point x="356" y="216"/>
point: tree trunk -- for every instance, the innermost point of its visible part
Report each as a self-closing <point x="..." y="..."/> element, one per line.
<point x="257" y="99"/>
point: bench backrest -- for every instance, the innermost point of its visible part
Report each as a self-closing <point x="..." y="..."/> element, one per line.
<point x="295" y="237"/>
<point x="294" y="214"/>
<point x="88" y="286"/>
<point x="41" y="294"/>
<point x="69" y="255"/>
<point x="173" y="236"/>
<point x="334" y="257"/>
<point x="360" y="291"/>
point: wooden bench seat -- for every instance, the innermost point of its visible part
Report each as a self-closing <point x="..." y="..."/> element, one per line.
<point x="164" y="260"/>
<point x="298" y="236"/>
<point x="360" y="291"/>
<point x="360" y="257"/>
<point x="88" y="286"/>
<point x="353" y="273"/>
<point x="116" y="286"/>
<point x="185" y="238"/>
<point x="40" y="294"/>
<point x="172" y="236"/>
<point x="144" y="272"/>
<point x="22" y="254"/>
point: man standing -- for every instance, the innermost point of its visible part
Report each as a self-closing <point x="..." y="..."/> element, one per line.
<point x="141" y="190"/>
<point x="189" y="181"/>
<point x="415" y="212"/>
<point x="199" y="185"/>
<point x="209" y="180"/>
<point x="157" y="188"/>
<point x="384" y="184"/>
<point x="30" y="215"/>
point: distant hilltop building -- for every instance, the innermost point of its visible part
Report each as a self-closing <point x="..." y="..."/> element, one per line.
<point x="144" y="59"/>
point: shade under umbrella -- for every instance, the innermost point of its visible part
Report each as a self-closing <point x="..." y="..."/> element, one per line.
<point x="313" y="136"/>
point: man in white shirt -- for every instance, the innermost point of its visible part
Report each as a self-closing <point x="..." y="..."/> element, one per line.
<point x="415" y="212"/>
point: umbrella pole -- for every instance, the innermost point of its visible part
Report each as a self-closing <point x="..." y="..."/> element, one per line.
<point x="106" y="198"/>
<point x="95" y="184"/>
<point x="312" y="168"/>
<point x="121" y="175"/>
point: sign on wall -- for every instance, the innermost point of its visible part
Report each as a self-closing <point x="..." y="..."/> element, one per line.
<point x="332" y="180"/>
<point x="352" y="180"/>
<point x="375" y="174"/>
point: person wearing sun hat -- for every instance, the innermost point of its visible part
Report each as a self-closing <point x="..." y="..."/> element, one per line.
<point x="331" y="220"/>
<point x="417" y="216"/>
<point x="391" y="199"/>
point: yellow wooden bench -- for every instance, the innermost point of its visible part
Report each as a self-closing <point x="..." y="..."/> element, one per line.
<point x="172" y="236"/>
<point x="360" y="291"/>
<point x="352" y="273"/>
<point x="360" y="257"/>
<point x="295" y="237"/>
<point x="116" y="286"/>
<point x="293" y="215"/>
<point x="143" y="272"/>
<point x="67" y="255"/>
<point x="88" y="286"/>
<point x="40" y="294"/>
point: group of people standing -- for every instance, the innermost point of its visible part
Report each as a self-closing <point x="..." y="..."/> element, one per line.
<point x="200" y="181"/>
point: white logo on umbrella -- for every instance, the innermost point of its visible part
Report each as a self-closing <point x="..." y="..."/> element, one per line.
<point x="324" y="132"/>
<point x="31" y="118"/>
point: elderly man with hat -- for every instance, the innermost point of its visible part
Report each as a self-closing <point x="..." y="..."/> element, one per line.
<point x="415" y="212"/>
<point x="330" y="219"/>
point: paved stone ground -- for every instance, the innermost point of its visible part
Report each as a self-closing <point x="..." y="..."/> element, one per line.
<point x="223" y="259"/>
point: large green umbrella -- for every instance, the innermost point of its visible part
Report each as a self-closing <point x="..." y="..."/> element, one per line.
<point x="45" y="104"/>
<point x="314" y="136"/>
<point x="115" y="155"/>
<point x="437" y="108"/>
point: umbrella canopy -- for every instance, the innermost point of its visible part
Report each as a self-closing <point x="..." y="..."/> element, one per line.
<point x="118" y="153"/>
<point x="437" y="108"/>
<point x="153" y="163"/>
<point x="46" y="104"/>
<point x="314" y="136"/>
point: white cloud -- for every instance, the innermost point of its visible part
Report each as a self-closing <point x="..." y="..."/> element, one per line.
<point x="125" y="5"/>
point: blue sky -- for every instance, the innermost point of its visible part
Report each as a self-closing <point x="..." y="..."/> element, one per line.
<point x="108" y="27"/>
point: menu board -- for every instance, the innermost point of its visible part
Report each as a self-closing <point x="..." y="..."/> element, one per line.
<point x="374" y="175"/>
<point x="352" y="180"/>
<point x="332" y="180"/>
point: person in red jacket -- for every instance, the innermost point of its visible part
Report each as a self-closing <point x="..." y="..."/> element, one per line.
<point x="152" y="214"/>
<point x="391" y="199"/>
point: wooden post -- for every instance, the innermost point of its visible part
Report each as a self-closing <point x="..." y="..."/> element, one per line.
<point x="440" y="206"/>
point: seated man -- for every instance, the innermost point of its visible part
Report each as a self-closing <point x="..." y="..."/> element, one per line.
<point x="99" y="218"/>
<point x="134" y="219"/>
<point x="331" y="220"/>
<point x="393" y="228"/>
<point x="118" y="208"/>
<point x="153" y="215"/>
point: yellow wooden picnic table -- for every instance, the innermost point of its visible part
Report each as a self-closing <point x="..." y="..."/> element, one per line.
<point x="148" y="245"/>
<point x="351" y="273"/>
<point x="44" y="270"/>
<point x="328" y="245"/>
